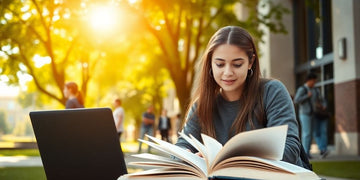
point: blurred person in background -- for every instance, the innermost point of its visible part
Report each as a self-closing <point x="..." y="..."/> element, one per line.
<point x="164" y="125"/>
<point x="147" y="126"/>
<point x="73" y="96"/>
<point x="119" y="116"/>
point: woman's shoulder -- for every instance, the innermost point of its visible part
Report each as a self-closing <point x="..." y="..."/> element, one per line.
<point x="71" y="101"/>
<point x="271" y="83"/>
<point x="275" y="92"/>
<point x="74" y="103"/>
<point x="273" y="87"/>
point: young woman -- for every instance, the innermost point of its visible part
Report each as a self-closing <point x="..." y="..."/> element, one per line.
<point x="232" y="98"/>
<point x="73" y="95"/>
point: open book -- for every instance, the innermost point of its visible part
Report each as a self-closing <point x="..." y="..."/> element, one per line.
<point x="249" y="155"/>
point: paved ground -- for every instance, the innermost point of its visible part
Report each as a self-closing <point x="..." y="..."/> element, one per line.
<point x="26" y="161"/>
<point x="23" y="161"/>
<point x="19" y="161"/>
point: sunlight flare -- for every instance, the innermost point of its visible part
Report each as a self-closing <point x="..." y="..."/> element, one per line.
<point x="103" y="17"/>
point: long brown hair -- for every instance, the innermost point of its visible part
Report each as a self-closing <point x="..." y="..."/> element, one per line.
<point x="208" y="90"/>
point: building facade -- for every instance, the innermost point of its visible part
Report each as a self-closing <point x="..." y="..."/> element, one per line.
<point x="324" y="38"/>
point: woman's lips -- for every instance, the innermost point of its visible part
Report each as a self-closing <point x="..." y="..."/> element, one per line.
<point x="228" y="81"/>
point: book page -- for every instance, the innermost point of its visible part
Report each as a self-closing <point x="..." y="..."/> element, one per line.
<point x="259" y="168"/>
<point x="285" y="166"/>
<point x="157" y="158"/>
<point x="200" y="146"/>
<point x="268" y="143"/>
<point x="255" y="173"/>
<point x="249" y="161"/>
<point x="160" y="161"/>
<point x="189" y="157"/>
<point x="164" y="173"/>
<point x="183" y="167"/>
<point x="194" y="143"/>
<point x="213" y="147"/>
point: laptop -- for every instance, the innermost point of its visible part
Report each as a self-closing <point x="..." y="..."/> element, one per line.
<point x="78" y="144"/>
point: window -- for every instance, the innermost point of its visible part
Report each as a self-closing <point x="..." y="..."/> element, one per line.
<point x="313" y="49"/>
<point x="312" y="29"/>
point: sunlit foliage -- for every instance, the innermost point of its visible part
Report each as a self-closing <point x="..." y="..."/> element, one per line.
<point x="182" y="29"/>
<point x="132" y="49"/>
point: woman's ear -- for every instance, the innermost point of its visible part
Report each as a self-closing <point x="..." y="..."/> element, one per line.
<point x="251" y="61"/>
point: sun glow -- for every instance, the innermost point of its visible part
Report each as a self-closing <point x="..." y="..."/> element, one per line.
<point x="104" y="17"/>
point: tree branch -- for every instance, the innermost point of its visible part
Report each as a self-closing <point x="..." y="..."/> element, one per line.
<point x="47" y="43"/>
<point x="51" y="13"/>
<point x="40" y="13"/>
<point x="59" y="79"/>
<point x="197" y="39"/>
<point x="178" y="24"/>
<point x="188" y="33"/>
<point x="31" y="28"/>
<point x="31" y="72"/>
<point x="71" y="47"/>
<point x="168" y="23"/>
<point x="163" y="46"/>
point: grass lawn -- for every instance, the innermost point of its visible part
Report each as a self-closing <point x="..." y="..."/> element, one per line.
<point x="341" y="169"/>
<point x="28" y="173"/>
<point x="20" y="152"/>
<point x="126" y="147"/>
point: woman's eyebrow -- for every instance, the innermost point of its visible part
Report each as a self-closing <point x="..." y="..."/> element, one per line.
<point x="236" y="59"/>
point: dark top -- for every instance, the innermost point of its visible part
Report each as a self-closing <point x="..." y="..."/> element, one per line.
<point x="73" y="103"/>
<point x="168" y="124"/>
<point x="148" y="116"/>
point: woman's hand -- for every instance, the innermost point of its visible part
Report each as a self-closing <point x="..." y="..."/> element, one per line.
<point x="198" y="153"/>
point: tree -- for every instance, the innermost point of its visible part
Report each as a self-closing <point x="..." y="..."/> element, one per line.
<point x="144" y="84"/>
<point x="50" y="41"/>
<point x="183" y="27"/>
<point x="150" y="90"/>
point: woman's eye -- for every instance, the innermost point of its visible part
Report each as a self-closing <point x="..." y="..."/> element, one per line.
<point x="237" y="65"/>
<point x="219" y="65"/>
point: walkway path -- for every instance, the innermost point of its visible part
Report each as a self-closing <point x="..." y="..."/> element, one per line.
<point x="20" y="161"/>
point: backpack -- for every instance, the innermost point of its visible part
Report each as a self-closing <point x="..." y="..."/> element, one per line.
<point x="304" y="158"/>
<point x="317" y="109"/>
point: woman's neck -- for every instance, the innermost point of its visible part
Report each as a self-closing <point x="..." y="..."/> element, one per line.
<point x="231" y="96"/>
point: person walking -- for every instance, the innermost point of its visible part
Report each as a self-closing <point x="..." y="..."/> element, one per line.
<point x="147" y="126"/>
<point x="305" y="98"/>
<point x="119" y="117"/>
<point x="73" y="96"/>
<point x="164" y="125"/>
<point x="321" y="118"/>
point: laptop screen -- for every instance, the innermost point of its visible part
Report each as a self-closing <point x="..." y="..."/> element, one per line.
<point x="78" y="144"/>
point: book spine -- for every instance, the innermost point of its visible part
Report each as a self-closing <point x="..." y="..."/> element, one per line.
<point x="227" y="178"/>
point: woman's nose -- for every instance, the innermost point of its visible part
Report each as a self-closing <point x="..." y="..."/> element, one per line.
<point x="228" y="70"/>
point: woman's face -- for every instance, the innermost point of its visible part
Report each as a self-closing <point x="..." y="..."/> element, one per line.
<point x="230" y="66"/>
<point x="66" y="92"/>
